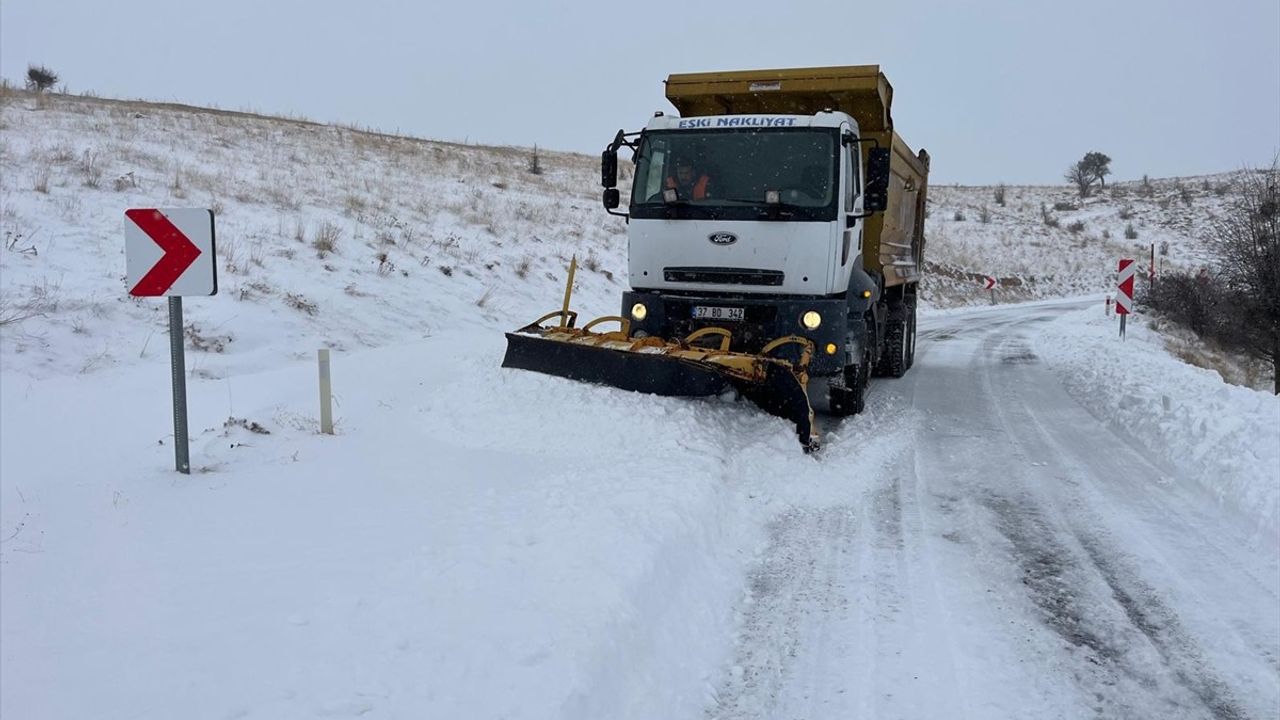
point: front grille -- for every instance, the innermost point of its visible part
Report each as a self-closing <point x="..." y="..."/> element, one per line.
<point x="723" y="276"/>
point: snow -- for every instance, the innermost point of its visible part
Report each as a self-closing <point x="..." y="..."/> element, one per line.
<point x="1225" y="437"/>
<point x="481" y="542"/>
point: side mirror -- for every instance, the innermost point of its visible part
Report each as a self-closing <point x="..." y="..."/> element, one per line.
<point x="609" y="168"/>
<point x="611" y="198"/>
<point x="876" y="193"/>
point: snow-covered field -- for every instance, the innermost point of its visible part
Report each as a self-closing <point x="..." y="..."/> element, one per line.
<point x="486" y="543"/>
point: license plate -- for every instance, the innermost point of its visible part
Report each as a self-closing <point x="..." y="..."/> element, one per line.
<point x="712" y="312"/>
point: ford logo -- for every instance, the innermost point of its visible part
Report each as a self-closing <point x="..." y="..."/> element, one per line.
<point x="722" y="238"/>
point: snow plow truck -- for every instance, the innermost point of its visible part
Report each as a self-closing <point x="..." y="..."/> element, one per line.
<point x="775" y="233"/>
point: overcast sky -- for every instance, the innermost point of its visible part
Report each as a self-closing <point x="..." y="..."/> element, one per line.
<point x="996" y="91"/>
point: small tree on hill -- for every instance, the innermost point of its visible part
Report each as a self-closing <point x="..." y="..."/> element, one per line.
<point x="40" y="78"/>
<point x="535" y="163"/>
<point x="1081" y="176"/>
<point x="1099" y="165"/>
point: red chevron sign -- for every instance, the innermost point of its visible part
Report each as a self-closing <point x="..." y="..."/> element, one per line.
<point x="1124" y="288"/>
<point x="170" y="252"/>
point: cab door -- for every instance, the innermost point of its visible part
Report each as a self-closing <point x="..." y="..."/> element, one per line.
<point x="848" y="228"/>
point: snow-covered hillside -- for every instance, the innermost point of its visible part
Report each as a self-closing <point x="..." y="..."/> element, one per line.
<point x="1047" y="241"/>
<point x="327" y="236"/>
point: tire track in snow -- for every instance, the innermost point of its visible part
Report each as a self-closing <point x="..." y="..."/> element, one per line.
<point x="1064" y="570"/>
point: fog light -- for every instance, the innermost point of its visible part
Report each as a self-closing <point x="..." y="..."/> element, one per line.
<point x="831" y="348"/>
<point x="811" y="319"/>
<point x="639" y="311"/>
<point x="866" y="293"/>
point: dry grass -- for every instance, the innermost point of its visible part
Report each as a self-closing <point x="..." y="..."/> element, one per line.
<point x="300" y="303"/>
<point x="40" y="179"/>
<point x="326" y="238"/>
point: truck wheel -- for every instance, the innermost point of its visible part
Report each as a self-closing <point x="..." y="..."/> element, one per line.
<point x="897" y="344"/>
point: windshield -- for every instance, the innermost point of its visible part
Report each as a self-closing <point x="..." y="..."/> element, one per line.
<point x="775" y="173"/>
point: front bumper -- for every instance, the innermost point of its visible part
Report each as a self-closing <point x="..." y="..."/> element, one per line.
<point x="766" y="318"/>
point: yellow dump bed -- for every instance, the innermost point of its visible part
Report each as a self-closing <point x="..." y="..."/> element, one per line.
<point x="893" y="241"/>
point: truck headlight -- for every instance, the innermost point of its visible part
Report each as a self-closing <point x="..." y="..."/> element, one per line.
<point x="811" y="319"/>
<point x="639" y="311"/>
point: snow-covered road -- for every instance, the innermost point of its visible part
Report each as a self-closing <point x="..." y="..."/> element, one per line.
<point x="479" y="542"/>
<point x="1019" y="559"/>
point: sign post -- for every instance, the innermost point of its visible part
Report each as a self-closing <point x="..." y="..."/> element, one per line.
<point x="170" y="253"/>
<point x="1124" y="290"/>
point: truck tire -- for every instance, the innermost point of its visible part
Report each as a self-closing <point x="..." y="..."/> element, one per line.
<point x="897" y="343"/>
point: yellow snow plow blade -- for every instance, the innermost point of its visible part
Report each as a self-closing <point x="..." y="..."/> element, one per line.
<point x="660" y="367"/>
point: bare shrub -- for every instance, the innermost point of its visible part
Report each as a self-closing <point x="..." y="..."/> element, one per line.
<point x="1061" y="206"/>
<point x="230" y="256"/>
<point x="445" y="270"/>
<point x="40" y="179"/>
<point x="1246" y="243"/>
<point x="326" y="238"/>
<point x="1126" y="212"/>
<point x="300" y="303"/>
<point x="1130" y="233"/>
<point x="984" y="215"/>
<point x="1184" y="194"/>
<point x="176" y="186"/>
<point x="1049" y="219"/>
<point x="90" y="170"/>
<point x="999" y="193"/>
<point x="1145" y="188"/>
<point x="483" y="300"/>
<point x="1075" y="227"/>
<point x="1164" y="247"/>
<point x="385" y="266"/>
<point x="353" y="205"/>
<point x="1081" y="176"/>
<point x="1106" y="234"/>
<point x="523" y="265"/>
<point x="205" y="341"/>
<point x="958" y="217"/>
<point x="535" y="163"/>
<point x="62" y="154"/>
<point x="40" y="78"/>
<point x="124" y="182"/>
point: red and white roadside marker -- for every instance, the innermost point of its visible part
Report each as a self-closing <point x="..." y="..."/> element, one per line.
<point x="1124" y="290"/>
<point x="170" y="253"/>
<point x="989" y="284"/>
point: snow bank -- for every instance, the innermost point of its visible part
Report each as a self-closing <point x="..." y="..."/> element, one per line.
<point x="1225" y="437"/>
<point x="469" y="545"/>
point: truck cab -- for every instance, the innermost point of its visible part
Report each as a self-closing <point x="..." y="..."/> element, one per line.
<point x="764" y="238"/>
